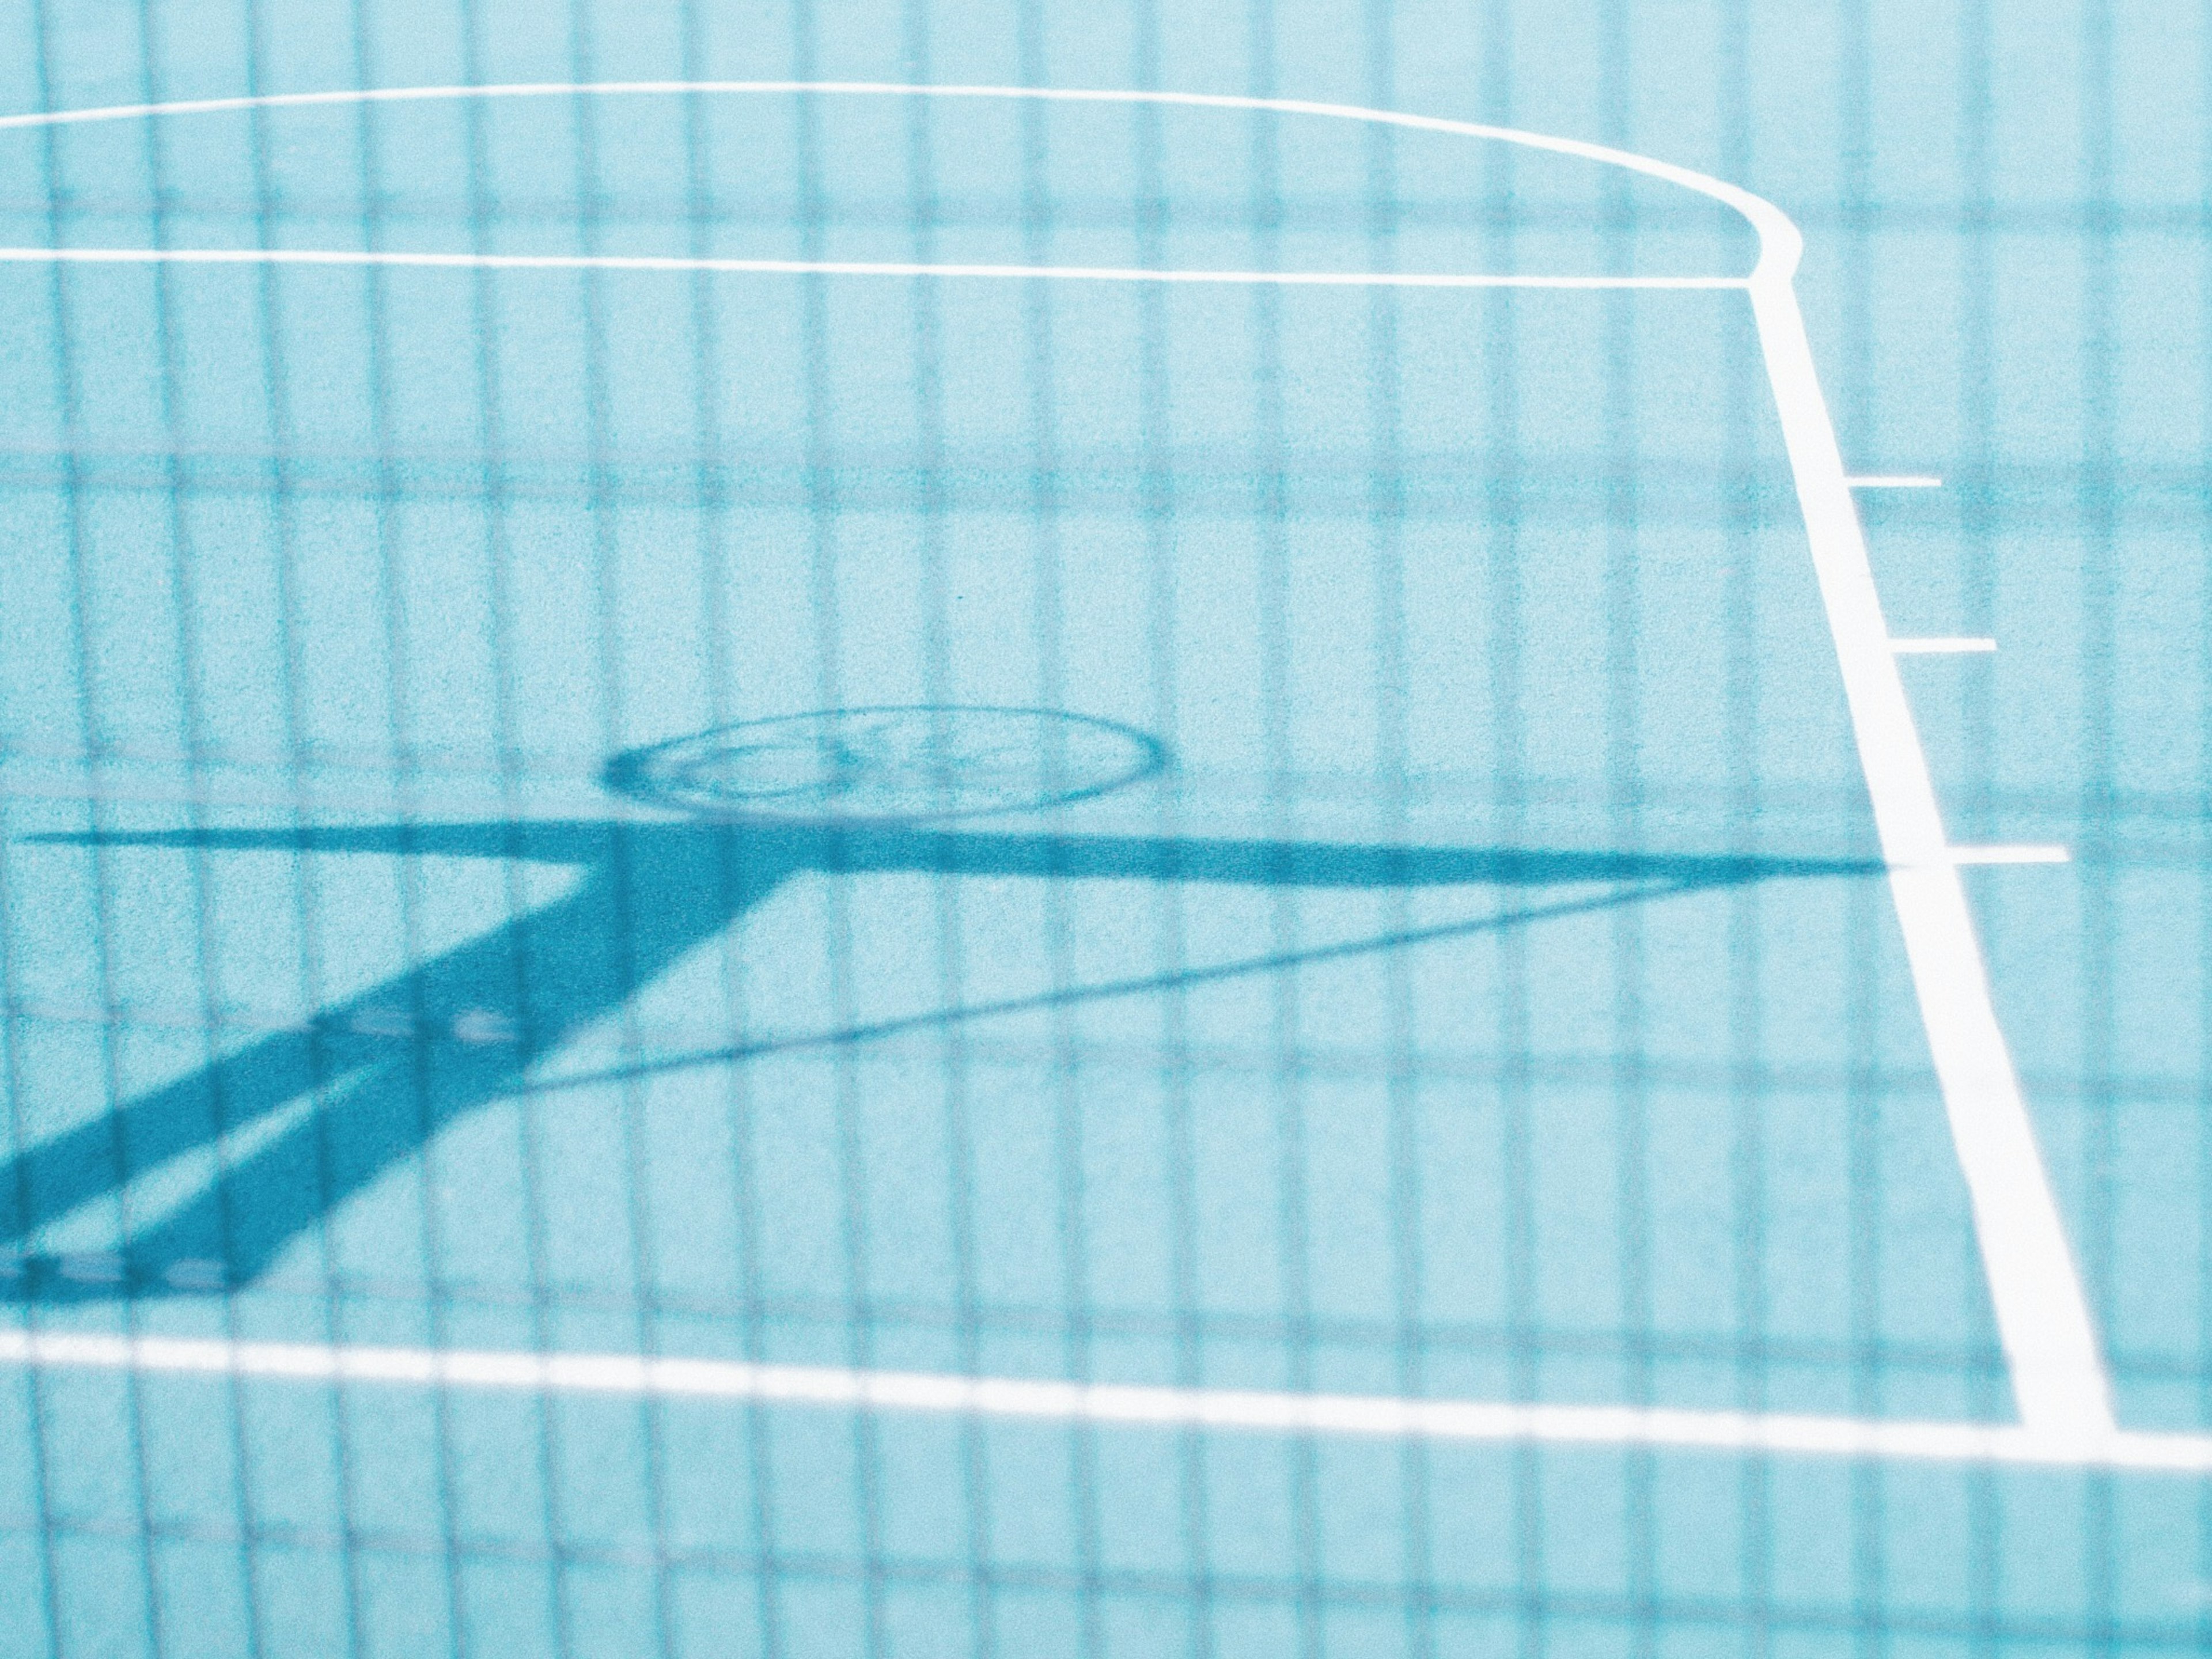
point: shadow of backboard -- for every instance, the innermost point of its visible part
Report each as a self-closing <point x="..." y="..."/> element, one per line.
<point x="386" y="1070"/>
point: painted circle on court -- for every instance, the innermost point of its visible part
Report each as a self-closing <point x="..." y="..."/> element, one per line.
<point x="891" y="765"/>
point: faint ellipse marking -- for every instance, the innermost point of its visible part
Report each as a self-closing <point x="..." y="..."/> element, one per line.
<point x="910" y="764"/>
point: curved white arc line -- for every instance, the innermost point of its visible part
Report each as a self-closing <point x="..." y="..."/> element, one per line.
<point x="1779" y="242"/>
<point x="651" y="262"/>
<point x="2043" y="1318"/>
<point x="1126" y="1404"/>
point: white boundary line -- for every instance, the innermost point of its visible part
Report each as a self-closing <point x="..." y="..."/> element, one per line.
<point x="640" y="1376"/>
<point x="2043" y="1318"/>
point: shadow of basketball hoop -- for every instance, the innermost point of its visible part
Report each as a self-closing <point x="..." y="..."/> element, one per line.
<point x="840" y="794"/>
<point x="890" y="765"/>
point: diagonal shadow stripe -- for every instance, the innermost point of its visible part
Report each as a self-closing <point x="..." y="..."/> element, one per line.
<point x="1186" y="979"/>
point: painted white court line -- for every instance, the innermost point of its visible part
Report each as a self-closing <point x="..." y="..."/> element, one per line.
<point x="1752" y="207"/>
<point x="1938" y="645"/>
<point x="147" y="256"/>
<point x="2043" y="1318"/>
<point x="1109" y="1404"/>
<point x="1894" y="481"/>
<point x="2021" y="852"/>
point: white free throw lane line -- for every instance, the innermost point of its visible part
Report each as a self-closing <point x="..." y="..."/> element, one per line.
<point x="1942" y="645"/>
<point x="651" y="262"/>
<point x="2043" y="1319"/>
<point x="1033" y="1400"/>
<point x="1894" y="481"/>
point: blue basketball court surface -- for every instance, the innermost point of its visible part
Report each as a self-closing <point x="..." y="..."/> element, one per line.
<point x="995" y="829"/>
